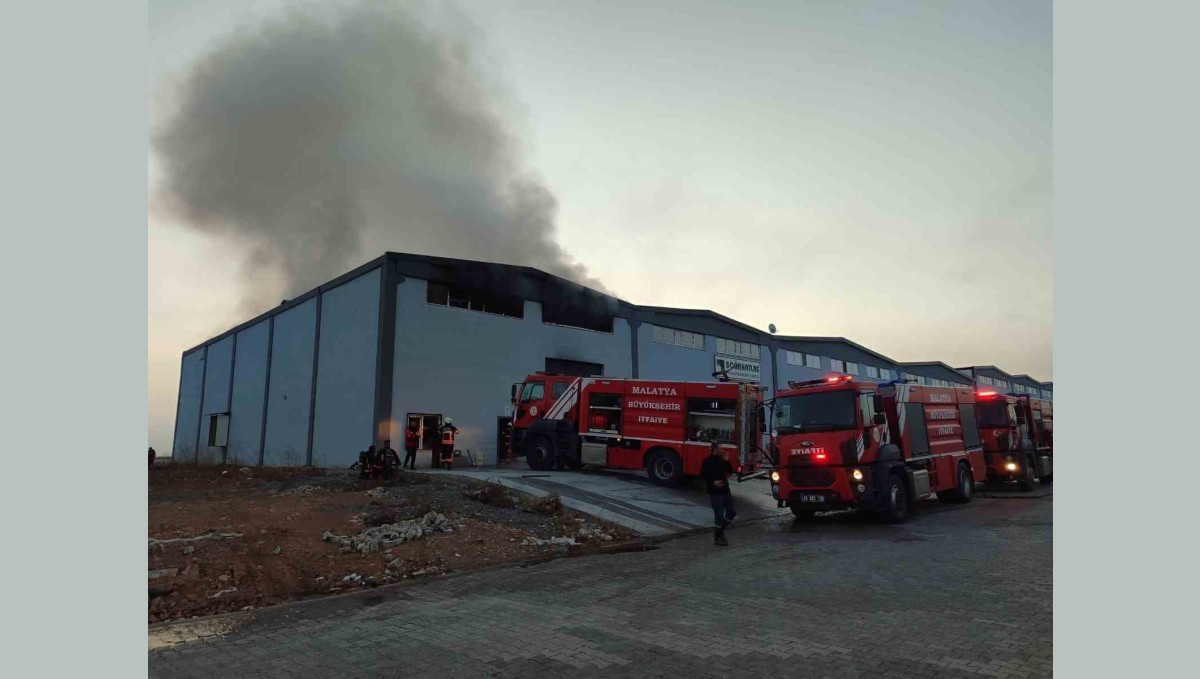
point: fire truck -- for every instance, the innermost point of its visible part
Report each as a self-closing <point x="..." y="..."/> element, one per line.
<point x="1017" y="431"/>
<point x="842" y="444"/>
<point x="666" y="428"/>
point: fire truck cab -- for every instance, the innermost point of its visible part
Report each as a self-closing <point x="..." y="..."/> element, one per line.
<point x="844" y="444"/>
<point x="664" y="427"/>
<point x="1017" y="434"/>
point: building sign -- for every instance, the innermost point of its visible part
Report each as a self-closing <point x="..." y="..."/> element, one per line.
<point x="739" y="369"/>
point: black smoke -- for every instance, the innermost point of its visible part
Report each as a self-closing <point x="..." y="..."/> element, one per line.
<point x="331" y="133"/>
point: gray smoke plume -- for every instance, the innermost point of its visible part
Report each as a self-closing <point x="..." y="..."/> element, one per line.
<point x="325" y="136"/>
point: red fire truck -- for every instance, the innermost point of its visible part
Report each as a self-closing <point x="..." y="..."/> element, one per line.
<point x="845" y="444"/>
<point x="666" y="428"/>
<point x="1017" y="432"/>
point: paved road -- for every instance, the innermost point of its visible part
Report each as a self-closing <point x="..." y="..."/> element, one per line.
<point x="956" y="592"/>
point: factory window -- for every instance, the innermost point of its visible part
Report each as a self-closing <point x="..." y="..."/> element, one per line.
<point x="475" y="300"/>
<point x="885" y="374"/>
<point x="680" y="338"/>
<point x="733" y="348"/>
<point x="1002" y="384"/>
<point x="872" y="372"/>
<point x="573" y="316"/>
<point x="805" y="360"/>
<point x="837" y="366"/>
<point x="852" y="368"/>
<point x="985" y="380"/>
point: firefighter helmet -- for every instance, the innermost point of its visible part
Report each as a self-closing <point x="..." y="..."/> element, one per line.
<point x="449" y="420"/>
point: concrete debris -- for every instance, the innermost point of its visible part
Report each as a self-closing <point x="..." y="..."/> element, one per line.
<point x="353" y="577"/>
<point x="586" y="533"/>
<point x="246" y="471"/>
<point x="389" y="535"/>
<point x="206" y="536"/>
<point x="224" y="591"/>
<point x="557" y="542"/>
<point x="162" y="581"/>
<point x="188" y="549"/>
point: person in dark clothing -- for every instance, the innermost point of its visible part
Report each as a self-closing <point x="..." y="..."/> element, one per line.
<point x="152" y="456"/>
<point x="715" y="470"/>
<point x="411" y="439"/>
<point x="366" y="461"/>
<point x="388" y="458"/>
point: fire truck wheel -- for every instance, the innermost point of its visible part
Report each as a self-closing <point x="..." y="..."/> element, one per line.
<point x="665" y="468"/>
<point x="1028" y="477"/>
<point x="538" y="454"/>
<point x="962" y="492"/>
<point x="895" y="500"/>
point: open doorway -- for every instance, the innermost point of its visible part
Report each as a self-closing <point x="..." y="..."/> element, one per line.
<point x="428" y="435"/>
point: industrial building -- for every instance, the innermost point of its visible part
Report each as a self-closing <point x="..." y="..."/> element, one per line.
<point x="412" y="338"/>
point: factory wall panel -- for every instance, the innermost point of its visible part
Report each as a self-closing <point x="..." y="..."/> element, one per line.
<point x="249" y="385"/>
<point x="187" y="415"/>
<point x="216" y="394"/>
<point x="460" y="363"/>
<point x="291" y="386"/>
<point x="661" y="361"/>
<point x="345" y="417"/>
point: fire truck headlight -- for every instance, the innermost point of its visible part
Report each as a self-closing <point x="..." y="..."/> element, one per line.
<point x="857" y="474"/>
<point x="1011" y="466"/>
<point x="774" y="477"/>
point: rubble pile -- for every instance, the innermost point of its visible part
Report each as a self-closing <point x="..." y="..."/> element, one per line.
<point x="554" y="542"/>
<point x="389" y="535"/>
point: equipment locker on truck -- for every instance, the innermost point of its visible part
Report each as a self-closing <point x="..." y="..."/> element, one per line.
<point x="664" y="427"/>
<point x="846" y="444"/>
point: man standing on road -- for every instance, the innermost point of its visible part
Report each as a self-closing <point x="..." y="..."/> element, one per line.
<point x="410" y="447"/>
<point x="716" y="470"/>
<point x="152" y="456"/>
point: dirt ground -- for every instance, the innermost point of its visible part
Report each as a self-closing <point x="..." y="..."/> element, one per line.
<point x="263" y="531"/>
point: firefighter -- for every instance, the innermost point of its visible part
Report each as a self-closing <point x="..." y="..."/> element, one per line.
<point x="366" y="462"/>
<point x="447" y="447"/>
<point x="411" y="439"/>
<point x="716" y="471"/>
<point x="152" y="456"/>
<point x="388" y="458"/>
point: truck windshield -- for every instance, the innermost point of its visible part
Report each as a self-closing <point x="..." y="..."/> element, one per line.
<point x="825" y="411"/>
<point x="533" y="391"/>
<point x="993" y="414"/>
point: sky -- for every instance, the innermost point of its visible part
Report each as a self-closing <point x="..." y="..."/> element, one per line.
<point x="879" y="171"/>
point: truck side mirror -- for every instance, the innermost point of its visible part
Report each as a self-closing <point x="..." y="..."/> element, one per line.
<point x="512" y="398"/>
<point x="880" y="418"/>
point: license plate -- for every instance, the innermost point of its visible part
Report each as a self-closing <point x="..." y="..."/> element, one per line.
<point x="818" y="499"/>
